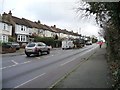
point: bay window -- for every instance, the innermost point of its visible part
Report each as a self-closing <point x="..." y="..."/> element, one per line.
<point x="21" y="38"/>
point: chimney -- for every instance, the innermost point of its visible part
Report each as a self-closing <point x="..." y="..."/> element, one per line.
<point x="39" y="21"/>
<point x="54" y="26"/>
<point x="10" y="13"/>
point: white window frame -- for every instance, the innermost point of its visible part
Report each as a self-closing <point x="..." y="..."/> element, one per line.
<point x="5" y="26"/>
<point x="22" y="28"/>
<point x="23" y="38"/>
<point x="4" y="38"/>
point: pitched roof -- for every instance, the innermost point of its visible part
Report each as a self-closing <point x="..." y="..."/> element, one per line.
<point x="76" y="34"/>
<point x="54" y="29"/>
<point x="19" y="21"/>
<point x="64" y="31"/>
<point x="58" y="30"/>
<point x="29" y="23"/>
<point x="46" y="27"/>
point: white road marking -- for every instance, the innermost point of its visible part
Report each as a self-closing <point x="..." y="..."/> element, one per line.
<point x="14" y="65"/>
<point x="14" y="62"/>
<point x="25" y="62"/>
<point x="78" y="56"/>
<point x="30" y="80"/>
<point x="38" y="57"/>
<point x="52" y="55"/>
<point x="88" y="51"/>
<point x="66" y="62"/>
<point x="9" y="66"/>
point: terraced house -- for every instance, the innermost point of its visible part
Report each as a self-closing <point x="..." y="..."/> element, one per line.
<point x="5" y="30"/>
<point x="24" y="30"/>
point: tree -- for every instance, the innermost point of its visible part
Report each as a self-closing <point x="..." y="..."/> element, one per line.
<point x="108" y="17"/>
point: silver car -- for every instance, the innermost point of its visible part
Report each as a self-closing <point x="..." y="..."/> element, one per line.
<point x="36" y="48"/>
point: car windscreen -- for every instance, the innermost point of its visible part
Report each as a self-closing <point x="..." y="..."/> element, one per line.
<point x="31" y="45"/>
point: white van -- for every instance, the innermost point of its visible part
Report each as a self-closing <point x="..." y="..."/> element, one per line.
<point x="67" y="44"/>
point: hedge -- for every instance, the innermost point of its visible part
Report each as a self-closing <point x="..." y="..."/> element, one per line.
<point x="49" y="41"/>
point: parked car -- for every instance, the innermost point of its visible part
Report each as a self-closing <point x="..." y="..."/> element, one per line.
<point x="89" y="43"/>
<point x="36" y="48"/>
<point x="15" y="45"/>
<point x="67" y="44"/>
<point x="8" y="48"/>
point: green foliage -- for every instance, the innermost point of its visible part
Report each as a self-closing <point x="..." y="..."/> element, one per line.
<point x="49" y="41"/>
<point x="94" y="40"/>
<point x="108" y="17"/>
<point x="0" y="43"/>
<point x="11" y="39"/>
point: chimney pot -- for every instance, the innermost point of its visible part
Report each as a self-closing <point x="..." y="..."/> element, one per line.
<point x="39" y="21"/>
<point x="10" y="13"/>
<point x="54" y="26"/>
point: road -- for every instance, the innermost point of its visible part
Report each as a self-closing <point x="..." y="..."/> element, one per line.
<point x="43" y="71"/>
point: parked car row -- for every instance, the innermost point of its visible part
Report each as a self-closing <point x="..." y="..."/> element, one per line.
<point x="37" y="48"/>
<point x="15" y="45"/>
<point x="68" y="44"/>
<point x="8" y="48"/>
<point x="89" y="43"/>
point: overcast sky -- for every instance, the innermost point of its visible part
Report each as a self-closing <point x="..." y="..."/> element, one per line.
<point x="52" y="12"/>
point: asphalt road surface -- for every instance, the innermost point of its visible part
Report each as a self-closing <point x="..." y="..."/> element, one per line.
<point x="43" y="71"/>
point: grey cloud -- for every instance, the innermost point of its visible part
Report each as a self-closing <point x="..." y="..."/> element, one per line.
<point x="50" y="11"/>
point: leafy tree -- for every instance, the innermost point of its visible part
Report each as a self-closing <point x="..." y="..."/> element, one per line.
<point x="108" y="17"/>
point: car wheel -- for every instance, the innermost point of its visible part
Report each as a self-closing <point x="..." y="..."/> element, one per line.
<point x="17" y="48"/>
<point x="48" y="52"/>
<point x="39" y="53"/>
<point x="28" y="55"/>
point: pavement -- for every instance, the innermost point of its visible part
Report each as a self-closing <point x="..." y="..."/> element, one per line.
<point x="93" y="73"/>
<point x="20" y="52"/>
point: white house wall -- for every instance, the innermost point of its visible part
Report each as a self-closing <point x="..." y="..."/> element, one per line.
<point x="41" y="32"/>
<point x="18" y="30"/>
<point x="48" y="33"/>
<point x="30" y="31"/>
<point x="0" y="28"/>
<point x="5" y="29"/>
<point x="62" y="35"/>
<point x="35" y="30"/>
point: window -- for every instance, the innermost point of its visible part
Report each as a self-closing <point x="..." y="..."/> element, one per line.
<point x="5" y="26"/>
<point x="21" y="38"/>
<point x="21" y="28"/>
<point x="24" y="29"/>
<point x="18" y="38"/>
<point x="5" y="38"/>
<point x="40" y="31"/>
<point x="31" y="45"/>
<point x="41" y="44"/>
